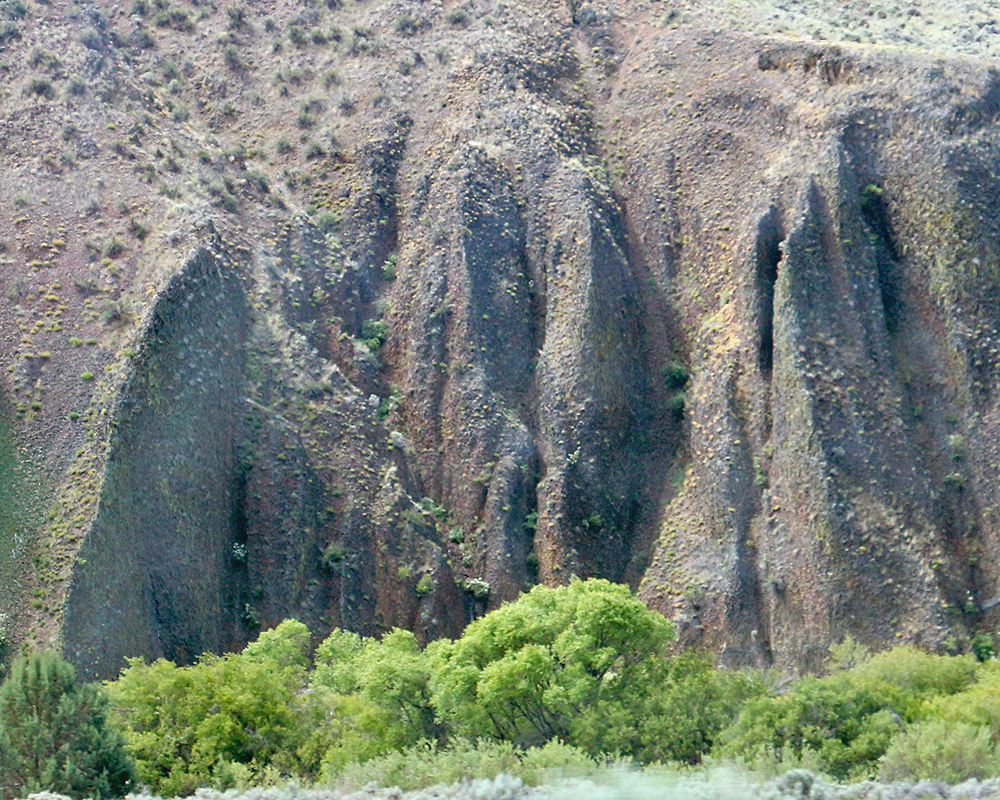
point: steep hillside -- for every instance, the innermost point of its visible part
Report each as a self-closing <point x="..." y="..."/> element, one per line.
<point x="375" y="314"/>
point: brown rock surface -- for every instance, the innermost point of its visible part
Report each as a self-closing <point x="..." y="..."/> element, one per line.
<point x="375" y="314"/>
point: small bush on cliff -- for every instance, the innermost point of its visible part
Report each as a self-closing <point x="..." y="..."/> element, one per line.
<point x="53" y="735"/>
<point x="373" y="333"/>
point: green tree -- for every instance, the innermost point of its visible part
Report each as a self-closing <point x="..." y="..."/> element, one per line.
<point x="944" y="751"/>
<point x="978" y="704"/>
<point x="685" y="714"/>
<point x="285" y="645"/>
<point x="391" y="673"/>
<point x="552" y="664"/>
<point x="225" y="716"/>
<point x="847" y="726"/>
<point x="53" y="734"/>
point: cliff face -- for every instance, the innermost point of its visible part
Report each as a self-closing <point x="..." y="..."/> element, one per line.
<point x="572" y="294"/>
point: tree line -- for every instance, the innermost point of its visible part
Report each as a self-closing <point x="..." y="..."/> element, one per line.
<point x="562" y="675"/>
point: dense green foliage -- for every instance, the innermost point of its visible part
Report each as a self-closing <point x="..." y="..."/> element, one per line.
<point x="565" y="676"/>
<point x="53" y="734"/>
<point x="682" y="719"/>
<point x="582" y="666"/>
<point x="561" y="662"/>
<point x="225" y="720"/>
<point x="940" y="750"/>
<point x="391" y="673"/>
<point x="844" y="722"/>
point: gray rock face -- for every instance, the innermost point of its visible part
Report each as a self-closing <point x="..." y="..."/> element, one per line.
<point x="157" y="573"/>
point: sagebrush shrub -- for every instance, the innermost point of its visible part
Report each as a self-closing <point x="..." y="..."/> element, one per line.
<point x="945" y="751"/>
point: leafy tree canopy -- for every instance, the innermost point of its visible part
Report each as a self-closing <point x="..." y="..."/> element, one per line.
<point x="391" y="673"/>
<point x="192" y="726"/>
<point x="524" y="671"/>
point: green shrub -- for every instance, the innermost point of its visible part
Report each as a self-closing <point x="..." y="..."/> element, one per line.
<point x="90" y="38"/>
<point x="223" y="719"/>
<point x="373" y="333"/>
<point x="391" y="674"/>
<point x="389" y="271"/>
<point x="676" y="375"/>
<point x="983" y="646"/>
<point x="40" y="57"/>
<point x="847" y="719"/>
<point x="847" y="727"/>
<point x="954" y="479"/>
<point x="53" y="735"/>
<point x="5" y="637"/>
<point x="849" y="653"/>
<point x="916" y="675"/>
<point x="406" y="25"/>
<point x="222" y="192"/>
<point x="684" y="717"/>
<point x="42" y="87"/>
<point x="231" y="57"/>
<point x="427" y="763"/>
<point x="14" y="9"/>
<point x="327" y="221"/>
<point x="113" y="248"/>
<point x="943" y="751"/>
<point x="237" y="17"/>
<point x="285" y="646"/>
<point x="137" y="229"/>
<point x="425" y="585"/>
<point x="978" y="704"/>
<point x="9" y="31"/>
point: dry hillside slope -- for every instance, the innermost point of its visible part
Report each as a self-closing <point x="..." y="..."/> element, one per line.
<point x="377" y="313"/>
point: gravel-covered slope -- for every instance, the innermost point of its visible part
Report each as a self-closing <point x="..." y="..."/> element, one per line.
<point x="947" y="28"/>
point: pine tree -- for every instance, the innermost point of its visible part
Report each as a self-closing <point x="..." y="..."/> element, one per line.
<point x="53" y="734"/>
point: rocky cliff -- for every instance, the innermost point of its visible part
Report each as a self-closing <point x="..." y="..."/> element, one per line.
<point x="375" y="314"/>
